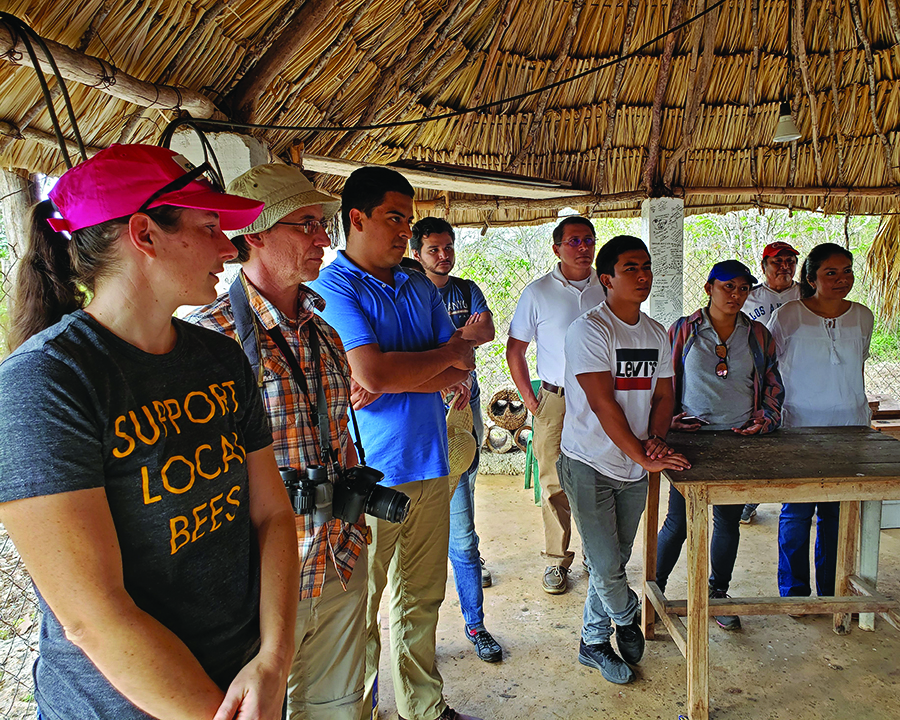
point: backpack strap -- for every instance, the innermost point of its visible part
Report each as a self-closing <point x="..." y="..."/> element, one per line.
<point x="245" y="325"/>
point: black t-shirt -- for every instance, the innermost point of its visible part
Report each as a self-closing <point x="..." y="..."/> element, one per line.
<point x="167" y="437"/>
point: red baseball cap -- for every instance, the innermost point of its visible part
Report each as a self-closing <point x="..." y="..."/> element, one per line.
<point x="779" y="248"/>
<point x="124" y="179"/>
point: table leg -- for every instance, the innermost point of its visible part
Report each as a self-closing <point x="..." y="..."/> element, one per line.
<point x="869" y="546"/>
<point x="651" y="528"/>
<point x="697" y="505"/>
<point x="846" y="559"/>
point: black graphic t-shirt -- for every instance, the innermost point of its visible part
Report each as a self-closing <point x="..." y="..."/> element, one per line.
<point x="167" y="437"/>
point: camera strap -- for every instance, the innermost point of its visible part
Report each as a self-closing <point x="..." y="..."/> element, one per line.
<point x="318" y="406"/>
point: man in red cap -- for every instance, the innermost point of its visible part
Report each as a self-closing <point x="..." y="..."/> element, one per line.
<point x="779" y="263"/>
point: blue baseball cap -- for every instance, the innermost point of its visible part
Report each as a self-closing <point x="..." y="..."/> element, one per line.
<point x="729" y="270"/>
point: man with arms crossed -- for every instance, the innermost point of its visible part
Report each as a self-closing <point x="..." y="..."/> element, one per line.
<point x="280" y="251"/>
<point x="403" y="350"/>
<point x="432" y="245"/>
<point x="620" y="397"/>
<point x="779" y="263"/>
<point x="543" y="313"/>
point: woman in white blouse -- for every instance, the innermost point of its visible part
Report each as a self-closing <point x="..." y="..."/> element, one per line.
<point x="823" y="342"/>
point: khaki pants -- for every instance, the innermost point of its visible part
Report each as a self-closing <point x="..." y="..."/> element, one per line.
<point x="328" y="672"/>
<point x="410" y="558"/>
<point x="557" y="516"/>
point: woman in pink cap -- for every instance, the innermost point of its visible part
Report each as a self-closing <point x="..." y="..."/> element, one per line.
<point x="137" y="477"/>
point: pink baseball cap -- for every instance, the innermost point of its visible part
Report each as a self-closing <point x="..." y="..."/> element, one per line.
<point x="124" y="179"/>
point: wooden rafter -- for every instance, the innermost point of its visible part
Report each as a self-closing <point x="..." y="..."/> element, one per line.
<point x="296" y="33"/>
<point x="799" y="14"/>
<point x="273" y="30"/>
<point x="11" y="132"/>
<point x="835" y="102"/>
<point x="487" y="69"/>
<point x="99" y="74"/>
<point x="206" y="19"/>
<point x="870" y="72"/>
<point x="612" y="101"/>
<point x="433" y="38"/>
<point x="312" y="74"/>
<point x="699" y="73"/>
<point x="544" y="98"/>
<point x="754" y="79"/>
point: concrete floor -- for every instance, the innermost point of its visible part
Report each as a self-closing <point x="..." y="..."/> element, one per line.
<point x="775" y="668"/>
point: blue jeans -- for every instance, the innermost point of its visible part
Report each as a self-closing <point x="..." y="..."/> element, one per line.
<point x="723" y="548"/>
<point x="607" y="513"/>
<point x="793" y="548"/>
<point x="463" y="551"/>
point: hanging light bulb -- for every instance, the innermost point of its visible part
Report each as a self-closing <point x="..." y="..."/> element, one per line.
<point x="786" y="130"/>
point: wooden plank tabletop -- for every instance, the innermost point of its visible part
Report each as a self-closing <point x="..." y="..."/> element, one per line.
<point x="824" y="453"/>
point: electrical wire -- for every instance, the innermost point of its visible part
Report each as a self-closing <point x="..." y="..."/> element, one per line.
<point x="461" y="111"/>
<point x="20" y="30"/>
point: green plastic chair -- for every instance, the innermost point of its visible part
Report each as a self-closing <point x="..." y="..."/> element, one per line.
<point x="531" y="463"/>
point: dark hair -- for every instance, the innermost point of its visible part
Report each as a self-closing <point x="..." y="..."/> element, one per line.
<point x="571" y="220"/>
<point x="243" y="248"/>
<point x="57" y="275"/>
<point x="411" y="264"/>
<point x="365" y="190"/>
<point x="818" y="255"/>
<point x="429" y="226"/>
<point x="608" y="254"/>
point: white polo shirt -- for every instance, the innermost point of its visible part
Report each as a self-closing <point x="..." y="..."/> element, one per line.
<point x="636" y="356"/>
<point x="763" y="301"/>
<point x="545" y="309"/>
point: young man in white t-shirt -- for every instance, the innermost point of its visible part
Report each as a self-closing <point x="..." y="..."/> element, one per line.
<point x="619" y="401"/>
<point x="544" y="311"/>
<point x="779" y="263"/>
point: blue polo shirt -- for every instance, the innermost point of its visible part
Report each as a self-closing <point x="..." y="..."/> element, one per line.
<point x="404" y="434"/>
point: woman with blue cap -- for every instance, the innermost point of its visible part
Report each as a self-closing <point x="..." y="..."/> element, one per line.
<point x="726" y="378"/>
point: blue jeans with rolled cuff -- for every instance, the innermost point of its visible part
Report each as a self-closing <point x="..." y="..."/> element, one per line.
<point x="463" y="551"/>
<point x="793" y="548"/>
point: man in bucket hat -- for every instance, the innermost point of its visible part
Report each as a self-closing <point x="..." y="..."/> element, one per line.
<point x="280" y="251"/>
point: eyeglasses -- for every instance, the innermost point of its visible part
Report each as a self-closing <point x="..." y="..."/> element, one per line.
<point x="310" y="227"/>
<point x="577" y="242"/>
<point x="722" y="365"/>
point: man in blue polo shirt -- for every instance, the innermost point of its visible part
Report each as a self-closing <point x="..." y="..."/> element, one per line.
<point x="403" y="350"/>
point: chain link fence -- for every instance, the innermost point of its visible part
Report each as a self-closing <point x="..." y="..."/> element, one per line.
<point x="502" y="261"/>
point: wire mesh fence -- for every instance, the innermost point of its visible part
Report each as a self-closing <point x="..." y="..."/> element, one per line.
<point x="502" y="261"/>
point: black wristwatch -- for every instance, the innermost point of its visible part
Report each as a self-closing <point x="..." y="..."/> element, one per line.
<point x="656" y="437"/>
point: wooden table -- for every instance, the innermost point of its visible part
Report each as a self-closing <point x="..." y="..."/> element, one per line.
<point x="800" y="465"/>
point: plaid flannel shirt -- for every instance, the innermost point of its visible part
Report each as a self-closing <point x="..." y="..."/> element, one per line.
<point x="296" y="439"/>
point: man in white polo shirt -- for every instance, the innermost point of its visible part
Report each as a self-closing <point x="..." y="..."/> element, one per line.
<point x="620" y="397"/>
<point x="779" y="263"/>
<point x="546" y="308"/>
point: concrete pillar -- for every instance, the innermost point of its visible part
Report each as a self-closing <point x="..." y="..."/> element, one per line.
<point x="662" y="229"/>
<point x="236" y="153"/>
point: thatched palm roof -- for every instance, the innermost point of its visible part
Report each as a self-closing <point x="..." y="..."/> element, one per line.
<point x="711" y="111"/>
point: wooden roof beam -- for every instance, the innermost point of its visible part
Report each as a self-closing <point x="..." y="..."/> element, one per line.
<point x="613" y="100"/>
<point x="11" y="132"/>
<point x="835" y="103"/>
<point x="253" y="85"/>
<point x="102" y="76"/>
<point x="544" y="98"/>
<point x="799" y="13"/>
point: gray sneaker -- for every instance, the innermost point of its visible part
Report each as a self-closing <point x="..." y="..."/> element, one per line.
<point x="555" y="579"/>
<point x="486" y="578"/>
<point x="602" y="657"/>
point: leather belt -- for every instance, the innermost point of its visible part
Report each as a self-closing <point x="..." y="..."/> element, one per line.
<point x="555" y="389"/>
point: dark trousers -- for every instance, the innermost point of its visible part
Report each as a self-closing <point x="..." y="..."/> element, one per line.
<point x="793" y="547"/>
<point x="723" y="548"/>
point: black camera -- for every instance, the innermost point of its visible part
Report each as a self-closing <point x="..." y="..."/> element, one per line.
<point x="357" y="490"/>
<point x="310" y="492"/>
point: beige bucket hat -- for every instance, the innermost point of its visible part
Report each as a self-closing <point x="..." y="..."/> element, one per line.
<point x="283" y="188"/>
<point x="461" y="442"/>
